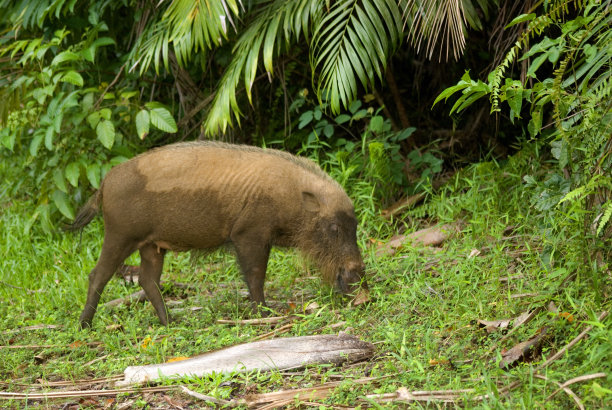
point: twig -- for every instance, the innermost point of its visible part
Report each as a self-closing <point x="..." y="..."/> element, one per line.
<point x="131" y="298"/>
<point x="33" y="327"/>
<point x="561" y="352"/>
<point x="110" y="86"/>
<point x="404" y="395"/>
<point x="262" y="321"/>
<point x="46" y="346"/>
<point x="81" y="393"/>
<point x="81" y="382"/>
<point x="551" y="359"/>
<point x="576" y="380"/>
<point x="275" y="332"/>
<point x="565" y="389"/>
<point x="204" y="397"/>
<point x="30" y="291"/>
<point x="96" y="360"/>
<point x="523" y="295"/>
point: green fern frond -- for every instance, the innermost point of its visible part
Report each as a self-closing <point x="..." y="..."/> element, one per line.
<point x="291" y="18"/>
<point x="188" y="26"/>
<point x="353" y="40"/>
<point x="605" y="217"/>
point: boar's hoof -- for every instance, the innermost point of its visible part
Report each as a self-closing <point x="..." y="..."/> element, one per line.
<point x="85" y="324"/>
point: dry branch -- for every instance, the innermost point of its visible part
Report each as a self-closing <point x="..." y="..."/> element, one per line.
<point x="27" y="328"/>
<point x="561" y="352"/>
<point x="565" y="389"/>
<point x="283" y="397"/>
<point x="405" y="396"/>
<point x="281" y="354"/>
<point x="81" y="393"/>
<point x="262" y="321"/>
<point x="576" y="380"/>
<point x="204" y="397"/>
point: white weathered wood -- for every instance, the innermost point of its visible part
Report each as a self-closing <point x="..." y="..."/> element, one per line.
<point x="280" y="353"/>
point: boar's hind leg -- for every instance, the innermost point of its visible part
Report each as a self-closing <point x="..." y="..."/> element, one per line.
<point x="151" y="264"/>
<point x="253" y="256"/>
<point x="114" y="252"/>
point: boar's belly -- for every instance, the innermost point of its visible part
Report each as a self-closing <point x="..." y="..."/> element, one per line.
<point x="176" y="221"/>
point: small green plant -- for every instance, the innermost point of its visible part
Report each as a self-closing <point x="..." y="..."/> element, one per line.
<point x="363" y="147"/>
<point x="567" y="100"/>
<point x="68" y="130"/>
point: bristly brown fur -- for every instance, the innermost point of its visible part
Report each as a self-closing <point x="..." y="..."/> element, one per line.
<point x="326" y="261"/>
<point x="305" y="163"/>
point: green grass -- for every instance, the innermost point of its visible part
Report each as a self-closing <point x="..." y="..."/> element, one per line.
<point x="422" y="318"/>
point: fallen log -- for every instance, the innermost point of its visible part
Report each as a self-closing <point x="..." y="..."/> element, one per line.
<point x="274" y="354"/>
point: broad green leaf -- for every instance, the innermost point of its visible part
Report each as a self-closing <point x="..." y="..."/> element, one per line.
<point x="142" y="123"/>
<point x="354" y="106"/>
<point x="162" y="120"/>
<point x="87" y="102"/>
<point x="451" y="90"/>
<point x="63" y="204"/>
<point x="49" y="134"/>
<point x="305" y="119"/>
<point x="93" y="175"/>
<point x="106" y="133"/>
<point x="328" y="130"/>
<point x="57" y="122"/>
<point x="376" y="124"/>
<point x="535" y="124"/>
<point x="535" y="64"/>
<point x="7" y="138"/>
<point x="126" y="95"/>
<point x="64" y="56"/>
<point x="342" y="118"/>
<point x="58" y="179"/>
<point x="359" y="115"/>
<point x="36" y="141"/>
<point x="520" y="19"/>
<point x="515" y="100"/>
<point x="72" y="77"/>
<point x="72" y="173"/>
<point x="93" y="119"/>
<point x="90" y="53"/>
<point x="105" y="113"/>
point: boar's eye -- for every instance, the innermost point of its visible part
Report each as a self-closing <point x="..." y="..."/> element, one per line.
<point x="333" y="228"/>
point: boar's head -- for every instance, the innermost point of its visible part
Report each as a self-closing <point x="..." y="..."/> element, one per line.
<point x="328" y="236"/>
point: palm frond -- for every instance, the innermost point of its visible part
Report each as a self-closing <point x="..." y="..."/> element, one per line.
<point x="276" y="19"/>
<point x="188" y="26"/>
<point x="353" y="40"/>
<point x="441" y="24"/>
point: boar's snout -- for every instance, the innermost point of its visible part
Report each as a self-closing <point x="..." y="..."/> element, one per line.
<point x="351" y="278"/>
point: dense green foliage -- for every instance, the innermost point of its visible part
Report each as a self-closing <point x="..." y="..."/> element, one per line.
<point x="85" y="84"/>
<point x="426" y="302"/>
<point x="79" y="94"/>
<point x="567" y="101"/>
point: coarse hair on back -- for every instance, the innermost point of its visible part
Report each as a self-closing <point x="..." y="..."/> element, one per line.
<point x="302" y="162"/>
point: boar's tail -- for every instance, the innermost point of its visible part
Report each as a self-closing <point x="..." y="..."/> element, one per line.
<point x="87" y="212"/>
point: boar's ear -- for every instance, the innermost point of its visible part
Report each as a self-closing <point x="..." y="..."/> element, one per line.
<point x="310" y="202"/>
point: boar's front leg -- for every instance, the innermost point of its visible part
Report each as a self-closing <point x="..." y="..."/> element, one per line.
<point x="151" y="264"/>
<point x="114" y="251"/>
<point x="253" y="251"/>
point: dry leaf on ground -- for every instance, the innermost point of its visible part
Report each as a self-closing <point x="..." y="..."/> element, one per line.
<point x="492" y="326"/>
<point x="522" y="350"/>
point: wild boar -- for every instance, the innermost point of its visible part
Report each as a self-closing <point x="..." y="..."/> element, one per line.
<point x="201" y="195"/>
